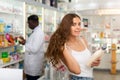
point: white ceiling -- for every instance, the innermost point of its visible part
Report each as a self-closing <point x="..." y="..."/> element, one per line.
<point x="90" y="5"/>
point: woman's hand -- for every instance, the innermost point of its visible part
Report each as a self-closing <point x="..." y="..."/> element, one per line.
<point x="96" y="62"/>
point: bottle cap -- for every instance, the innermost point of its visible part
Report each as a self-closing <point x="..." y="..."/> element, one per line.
<point x="104" y="47"/>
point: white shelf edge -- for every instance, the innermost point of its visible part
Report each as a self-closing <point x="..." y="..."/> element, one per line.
<point x="13" y="62"/>
<point x="11" y="13"/>
<point x="39" y="14"/>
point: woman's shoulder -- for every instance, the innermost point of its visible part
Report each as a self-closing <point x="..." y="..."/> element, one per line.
<point x="84" y="40"/>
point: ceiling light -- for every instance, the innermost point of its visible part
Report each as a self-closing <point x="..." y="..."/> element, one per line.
<point x="107" y="11"/>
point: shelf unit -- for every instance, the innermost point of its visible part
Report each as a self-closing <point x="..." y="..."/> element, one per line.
<point x="33" y="9"/>
<point x="59" y="16"/>
<point x="12" y="16"/>
<point x="13" y="62"/>
<point x="49" y="18"/>
<point x="104" y="29"/>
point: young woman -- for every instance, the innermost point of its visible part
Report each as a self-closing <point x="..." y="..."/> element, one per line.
<point x="67" y="47"/>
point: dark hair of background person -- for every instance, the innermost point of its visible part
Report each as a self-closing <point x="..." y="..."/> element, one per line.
<point x="33" y="21"/>
<point x="33" y="18"/>
<point x="58" y="39"/>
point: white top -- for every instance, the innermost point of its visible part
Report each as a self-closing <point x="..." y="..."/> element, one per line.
<point x="82" y="58"/>
<point x="34" y="53"/>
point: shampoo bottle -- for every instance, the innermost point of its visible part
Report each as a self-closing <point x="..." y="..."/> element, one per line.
<point x="98" y="54"/>
<point x="47" y="72"/>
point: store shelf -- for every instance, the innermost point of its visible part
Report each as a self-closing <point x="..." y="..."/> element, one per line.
<point x="12" y="13"/>
<point x="13" y="62"/>
<point x="39" y="14"/>
<point x="8" y="47"/>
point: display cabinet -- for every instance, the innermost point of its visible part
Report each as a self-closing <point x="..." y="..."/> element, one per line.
<point x="11" y="26"/>
<point x="33" y="9"/>
<point x="59" y="16"/>
<point x="49" y="24"/>
<point x="103" y="30"/>
<point x="13" y="21"/>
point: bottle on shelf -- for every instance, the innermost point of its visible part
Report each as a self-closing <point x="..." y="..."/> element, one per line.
<point x="47" y="72"/>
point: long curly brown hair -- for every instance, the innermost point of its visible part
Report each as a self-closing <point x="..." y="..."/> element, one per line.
<point x="58" y="39"/>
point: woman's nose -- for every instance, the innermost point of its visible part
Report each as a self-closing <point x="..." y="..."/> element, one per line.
<point x="78" y="26"/>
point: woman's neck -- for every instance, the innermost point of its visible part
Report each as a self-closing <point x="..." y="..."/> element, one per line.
<point x="75" y="44"/>
<point x="73" y="39"/>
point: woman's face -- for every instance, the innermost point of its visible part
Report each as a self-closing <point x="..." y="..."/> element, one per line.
<point x="76" y="27"/>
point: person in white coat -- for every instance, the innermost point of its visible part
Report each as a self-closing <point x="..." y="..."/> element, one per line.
<point x="34" y="50"/>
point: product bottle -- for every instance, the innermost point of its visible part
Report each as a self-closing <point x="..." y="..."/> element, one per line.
<point x="96" y="55"/>
<point x="47" y="72"/>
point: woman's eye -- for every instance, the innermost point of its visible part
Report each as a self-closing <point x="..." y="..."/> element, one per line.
<point x="79" y="24"/>
<point x="73" y="24"/>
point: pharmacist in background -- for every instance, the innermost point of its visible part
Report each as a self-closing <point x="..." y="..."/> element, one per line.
<point x="34" y="52"/>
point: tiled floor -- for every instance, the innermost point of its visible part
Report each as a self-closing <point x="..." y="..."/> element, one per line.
<point x="105" y="75"/>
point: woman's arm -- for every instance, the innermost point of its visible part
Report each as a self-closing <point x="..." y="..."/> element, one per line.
<point x="70" y="61"/>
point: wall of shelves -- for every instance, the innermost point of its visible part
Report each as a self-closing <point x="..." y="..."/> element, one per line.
<point x="16" y="15"/>
<point x="33" y="9"/>
<point x="47" y="18"/>
<point x="11" y="15"/>
<point x="102" y="30"/>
